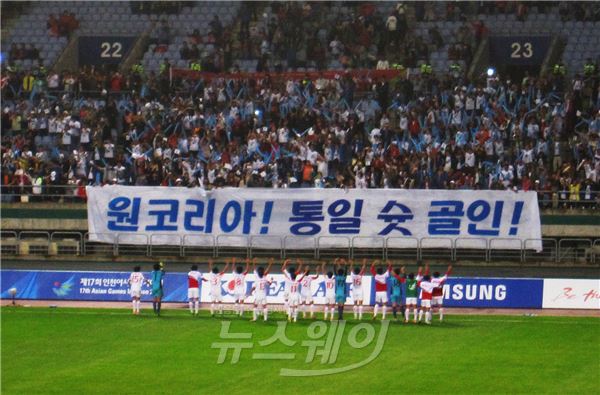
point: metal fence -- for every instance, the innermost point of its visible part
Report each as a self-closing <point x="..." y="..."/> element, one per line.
<point x="574" y="251"/>
<point x="72" y="194"/>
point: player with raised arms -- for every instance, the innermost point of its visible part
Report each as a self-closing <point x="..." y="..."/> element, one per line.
<point x="398" y="278"/>
<point x="262" y="283"/>
<point x="412" y="294"/>
<point x="194" y="278"/>
<point x="306" y="298"/>
<point x="136" y="280"/>
<point x="426" y="287"/>
<point x="294" y="296"/>
<point x="340" y="286"/>
<point x="356" y="278"/>
<point x="437" y="299"/>
<point x="287" y="285"/>
<point x="239" y="285"/>
<point x="381" y="299"/>
<point x="329" y="292"/>
<point x="215" y="278"/>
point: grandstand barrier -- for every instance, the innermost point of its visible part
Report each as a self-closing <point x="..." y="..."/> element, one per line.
<point x="34" y="243"/>
<point x="573" y="250"/>
<point x="361" y="249"/>
<point x="299" y="247"/>
<point x="329" y="247"/>
<point x="65" y="243"/>
<point x="198" y="245"/>
<point x="577" y="251"/>
<point x="462" y="252"/>
<point x="469" y="292"/>
<point x="9" y="243"/>
<point x="515" y="254"/>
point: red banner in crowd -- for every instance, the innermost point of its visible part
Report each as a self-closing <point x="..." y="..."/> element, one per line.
<point x="294" y="75"/>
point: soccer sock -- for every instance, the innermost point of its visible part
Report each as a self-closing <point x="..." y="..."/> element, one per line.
<point x="254" y="313"/>
<point x="241" y="309"/>
<point x="428" y="316"/>
<point x="420" y="314"/>
<point x="383" y="312"/>
<point x="340" y="312"/>
<point x="406" y="314"/>
<point x="133" y="302"/>
<point x="395" y="311"/>
<point x="295" y="313"/>
<point x="158" y="305"/>
<point x="265" y="313"/>
<point x="325" y="311"/>
<point x="139" y="303"/>
<point x="415" y="313"/>
<point x="191" y="304"/>
<point x="312" y="310"/>
<point x="360" y="311"/>
<point x="355" y="311"/>
<point x="221" y="308"/>
<point x="375" y="310"/>
<point x="303" y="308"/>
<point x="441" y="313"/>
<point x="196" y="306"/>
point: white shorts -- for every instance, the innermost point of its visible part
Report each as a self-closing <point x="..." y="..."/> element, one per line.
<point x="381" y="297"/>
<point x="330" y="299"/>
<point x="193" y="293"/>
<point x="135" y="293"/>
<point x="294" y="300"/>
<point x="411" y="301"/>
<point x="437" y="301"/>
<point x="306" y="298"/>
<point x="260" y="300"/>
<point x="425" y="303"/>
<point x="216" y="297"/>
<point x="357" y="294"/>
<point x="239" y="295"/>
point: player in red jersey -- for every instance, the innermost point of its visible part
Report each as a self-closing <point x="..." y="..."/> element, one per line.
<point x="426" y="287"/>
<point x="194" y="278"/>
<point x="437" y="300"/>
<point x="381" y="299"/>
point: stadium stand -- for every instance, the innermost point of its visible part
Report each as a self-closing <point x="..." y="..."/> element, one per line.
<point x="326" y="125"/>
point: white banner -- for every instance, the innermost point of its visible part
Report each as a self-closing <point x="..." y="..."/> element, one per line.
<point x="475" y="219"/>
<point x="275" y="293"/>
<point x="571" y="294"/>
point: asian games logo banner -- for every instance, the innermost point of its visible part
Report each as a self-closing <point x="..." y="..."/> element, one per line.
<point x="504" y="219"/>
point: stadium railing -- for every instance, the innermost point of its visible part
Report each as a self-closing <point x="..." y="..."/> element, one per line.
<point x="575" y="251"/>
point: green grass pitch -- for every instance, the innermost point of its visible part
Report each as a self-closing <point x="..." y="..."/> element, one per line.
<point x="108" y="351"/>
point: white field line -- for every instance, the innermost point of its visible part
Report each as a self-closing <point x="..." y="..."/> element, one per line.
<point x="68" y="311"/>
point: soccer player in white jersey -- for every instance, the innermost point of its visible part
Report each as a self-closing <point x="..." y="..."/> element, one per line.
<point x="261" y="285"/>
<point x="215" y="278"/>
<point x="426" y="287"/>
<point x="294" y="296"/>
<point x="136" y="280"/>
<point x="288" y="283"/>
<point x="239" y="285"/>
<point x="329" y="293"/>
<point x="194" y="278"/>
<point x="356" y="278"/>
<point x="306" y="298"/>
<point x="437" y="299"/>
<point x="381" y="299"/>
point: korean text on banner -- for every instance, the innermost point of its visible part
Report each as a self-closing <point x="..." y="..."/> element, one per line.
<point x="500" y="219"/>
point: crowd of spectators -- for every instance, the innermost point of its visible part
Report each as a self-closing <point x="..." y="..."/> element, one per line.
<point x="420" y="132"/>
<point x="63" y="25"/>
<point x="23" y="51"/>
